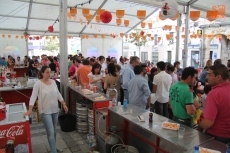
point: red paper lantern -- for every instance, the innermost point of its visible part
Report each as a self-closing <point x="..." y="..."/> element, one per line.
<point x="37" y="37"/>
<point x="30" y="38"/>
<point x="50" y="28"/>
<point x="142" y="33"/>
<point x="106" y="17"/>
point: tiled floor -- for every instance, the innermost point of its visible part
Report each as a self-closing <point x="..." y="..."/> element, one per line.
<point x="70" y="142"/>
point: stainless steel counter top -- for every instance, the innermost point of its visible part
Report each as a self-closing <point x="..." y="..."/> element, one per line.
<point x="90" y="97"/>
<point x="8" y="88"/>
<point x="213" y="145"/>
<point x="191" y="138"/>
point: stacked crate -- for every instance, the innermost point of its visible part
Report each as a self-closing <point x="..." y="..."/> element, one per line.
<point x="91" y="120"/>
<point x="82" y="116"/>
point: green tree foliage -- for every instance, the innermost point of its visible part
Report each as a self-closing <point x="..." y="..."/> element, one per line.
<point x="51" y="44"/>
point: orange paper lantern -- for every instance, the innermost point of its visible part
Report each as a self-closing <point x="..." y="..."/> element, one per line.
<point x="98" y="20"/>
<point x="95" y="35"/>
<point x="118" y="21"/>
<point x="89" y="18"/>
<point x="194" y="15"/>
<point x="9" y="36"/>
<point x="3" y="36"/>
<point x="126" y="23"/>
<point x="183" y="36"/>
<point x="73" y="11"/>
<point x="152" y="38"/>
<point x="211" y="15"/>
<point x="99" y="11"/>
<point x="149" y="35"/>
<point x="102" y="35"/>
<point x="142" y="24"/>
<point x="141" y="14"/>
<point x="85" y="12"/>
<point x="150" y="25"/>
<point x="120" y="13"/>
<point x="121" y="34"/>
<point x="22" y="37"/>
<point x="16" y="37"/>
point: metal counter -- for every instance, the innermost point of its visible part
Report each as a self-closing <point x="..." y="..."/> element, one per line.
<point x="167" y="139"/>
<point x="8" y="88"/>
<point x="90" y="97"/>
<point x="213" y="145"/>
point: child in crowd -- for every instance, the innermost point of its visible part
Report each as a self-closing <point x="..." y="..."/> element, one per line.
<point x="207" y="89"/>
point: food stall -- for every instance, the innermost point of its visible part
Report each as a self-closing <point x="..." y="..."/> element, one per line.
<point x="152" y="136"/>
<point x="17" y="127"/>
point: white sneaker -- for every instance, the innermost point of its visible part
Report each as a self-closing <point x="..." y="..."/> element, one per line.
<point x="59" y="150"/>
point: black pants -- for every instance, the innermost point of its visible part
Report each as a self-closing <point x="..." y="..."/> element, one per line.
<point x="152" y="107"/>
<point x="187" y="122"/>
<point x="221" y="139"/>
<point x="161" y="109"/>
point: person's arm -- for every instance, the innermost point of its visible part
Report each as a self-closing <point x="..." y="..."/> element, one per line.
<point x="147" y="93"/>
<point x="106" y="82"/>
<point x="155" y="84"/>
<point x="91" y="79"/>
<point x="33" y="98"/>
<point x="210" y="112"/>
<point x="154" y="88"/>
<point x="190" y="109"/>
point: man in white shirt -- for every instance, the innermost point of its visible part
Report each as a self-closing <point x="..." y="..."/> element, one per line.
<point x="103" y="65"/>
<point x="170" y="70"/>
<point x="18" y="62"/>
<point x="161" y="84"/>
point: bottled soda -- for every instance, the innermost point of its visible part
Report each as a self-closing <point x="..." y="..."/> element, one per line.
<point x="150" y="117"/>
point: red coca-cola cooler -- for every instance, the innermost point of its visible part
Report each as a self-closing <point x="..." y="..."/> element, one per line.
<point x="16" y="126"/>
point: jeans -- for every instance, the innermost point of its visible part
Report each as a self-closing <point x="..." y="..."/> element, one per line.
<point x="50" y="124"/>
<point x="126" y="95"/>
<point x="161" y="109"/>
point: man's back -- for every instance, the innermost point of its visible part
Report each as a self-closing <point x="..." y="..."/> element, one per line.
<point x="217" y="108"/>
<point x="163" y="82"/>
<point x="138" y="91"/>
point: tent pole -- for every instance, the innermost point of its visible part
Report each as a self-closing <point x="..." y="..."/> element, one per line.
<point x="64" y="84"/>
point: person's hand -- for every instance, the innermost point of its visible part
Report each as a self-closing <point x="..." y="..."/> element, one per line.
<point x="27" y="113"/>
<point x="65" y="108"/>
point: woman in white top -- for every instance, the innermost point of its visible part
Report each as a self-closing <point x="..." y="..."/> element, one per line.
<point x="95" y="78"/>
<point x="48" y="95"/>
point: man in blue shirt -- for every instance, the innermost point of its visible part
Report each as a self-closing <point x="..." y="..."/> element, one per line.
<point x="138" y="89"/>
<point x="128" y="74"/>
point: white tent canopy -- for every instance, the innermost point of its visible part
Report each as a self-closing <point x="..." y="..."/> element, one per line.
<point x="34" y="16"/>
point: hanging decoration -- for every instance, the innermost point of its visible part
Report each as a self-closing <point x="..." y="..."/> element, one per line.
<point x="106" y="17"/>
<point x="161" y="16"/>
<point x="37" y="37"/>
<point x="73" y="11"/>
<point x="9" y="36"/>
<point x="126" y="23"/>
<point x="3" y="36"/>
<point x="167" y="27"/>
<point x="98" y="20"/>
<point x="50" y="28"/>
<point x="143" y="25"/>
<point x="89" y="18"/>
<point x="22" y="37"/>
<point x="211" y="15"/>
<point x="169" y="9"/>
<point x="138" y="37"/>
<point x="150" y="25"/>
<point x="141" y="14"/>
<point x="120" y="13"/>
<point x="177" y="28"/>
<point x="95" y="35"/>
<point x="99" y="11"/>
<point x="221" y="10"/>
<point x="102" y="35"/>
<point x="121" y="34"/>
<point x="118" y="21"/>
<point x="169" y="36"/>
<point x="85" y="12"/>
<point x="194" y="15"/>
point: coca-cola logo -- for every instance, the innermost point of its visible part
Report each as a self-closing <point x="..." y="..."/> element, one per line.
<point x="13" y="131"/>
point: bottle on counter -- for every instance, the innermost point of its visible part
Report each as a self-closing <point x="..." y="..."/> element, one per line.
<point x="125" y="102"/>
<point x="196" y="149"/>
<point x="150" y="117"/>
<point x="114" y="102"/>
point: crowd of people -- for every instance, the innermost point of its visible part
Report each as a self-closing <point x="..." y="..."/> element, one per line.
<point x="165" y="89"/>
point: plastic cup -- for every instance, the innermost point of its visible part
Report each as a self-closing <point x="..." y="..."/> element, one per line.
<point x="181" y="131"/>
<point x="119" y="103"/>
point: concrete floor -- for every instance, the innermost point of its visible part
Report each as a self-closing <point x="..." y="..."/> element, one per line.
<point x="70" y="142"/>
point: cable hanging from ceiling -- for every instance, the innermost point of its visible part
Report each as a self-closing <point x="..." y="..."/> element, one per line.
<point x="81" y="4"/>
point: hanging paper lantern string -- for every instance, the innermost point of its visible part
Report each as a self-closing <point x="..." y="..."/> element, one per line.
<point x="106" y="17"/>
